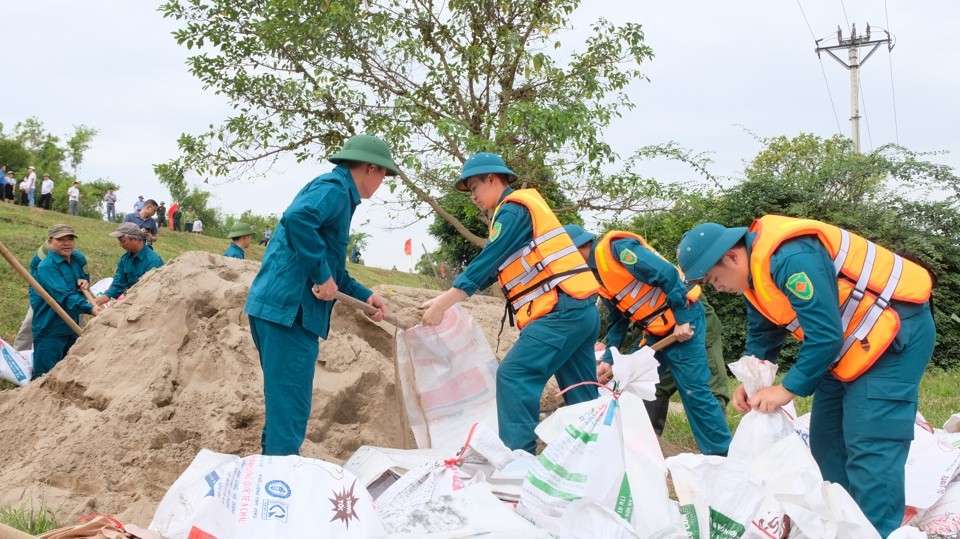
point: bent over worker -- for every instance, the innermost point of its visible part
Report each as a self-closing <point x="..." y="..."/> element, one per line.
<point x="62" y="275"/>
<point x="550" y="292"/>
<point x="292" y="295"/>
<point x="640" y="287"/>
<point x="862" y="315"/>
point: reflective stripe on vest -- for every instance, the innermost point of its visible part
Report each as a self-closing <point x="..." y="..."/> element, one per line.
<point x="531" y="276"/>
<point x="643" y="304"/>
<point x="864" y="279"/>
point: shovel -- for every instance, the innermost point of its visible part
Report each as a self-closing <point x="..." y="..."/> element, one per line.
<point x="36" y="286"/>
<point x="370" y="309"/>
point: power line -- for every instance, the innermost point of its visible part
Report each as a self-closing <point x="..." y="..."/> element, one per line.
<point x="822" y="69"/>
<point x="845" y="13"/>
<point x="853" y="64"/>
<point x="893" y="92"/>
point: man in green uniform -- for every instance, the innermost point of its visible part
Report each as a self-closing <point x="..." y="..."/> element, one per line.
<point x="292" y="295"/>
<point x="719" y="385"/>
<point x="61" y="274"/>
<point x="559" y="342"/>
<point x="792" y="272"/>
<point x="685" y="360"/>
<point x="242" y="235"/>
<point x="133" y="264"/>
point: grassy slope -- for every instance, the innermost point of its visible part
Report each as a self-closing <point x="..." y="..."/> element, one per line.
<point x="22" y="231"/>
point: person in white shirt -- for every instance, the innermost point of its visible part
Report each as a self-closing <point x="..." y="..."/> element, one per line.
<point x="73" y="195"/>
<point x="198" y="226"/>
<point x="24" y="196"/>
<point x="31" y="185"/>
<point x="46" y="192"/>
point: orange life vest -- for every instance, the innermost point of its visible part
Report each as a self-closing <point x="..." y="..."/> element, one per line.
<point x="530" y="276"/>
<point x="869" y="277"/>
<point x="644" y="304"/>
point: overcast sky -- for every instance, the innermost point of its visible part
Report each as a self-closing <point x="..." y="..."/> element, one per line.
<point x="113" y="65"/>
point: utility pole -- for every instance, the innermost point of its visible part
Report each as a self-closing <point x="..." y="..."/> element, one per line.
<point x="853" y="63"/>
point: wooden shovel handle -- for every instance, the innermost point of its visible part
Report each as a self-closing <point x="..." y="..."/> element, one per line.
<point x="369" y="309"/>
<point x="39" y="289"/>
<point x="664" y="342"/>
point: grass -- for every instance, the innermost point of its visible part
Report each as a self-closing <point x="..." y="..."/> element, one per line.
<point x="939" y="399"/>
<point x="23" y="230"/>
<point x="29" y="519"/>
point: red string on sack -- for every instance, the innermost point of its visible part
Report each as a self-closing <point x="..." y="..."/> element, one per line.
<point x="613" y="392"/>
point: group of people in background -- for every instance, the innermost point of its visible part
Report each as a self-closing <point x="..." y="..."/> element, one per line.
<point x="24" y="192"/>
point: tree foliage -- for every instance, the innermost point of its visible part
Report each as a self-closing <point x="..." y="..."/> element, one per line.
<point x="892" y="196"/>
<point x="194" y="202"/>
<point x="30" y="144"/>
<point x="438" y="80"/>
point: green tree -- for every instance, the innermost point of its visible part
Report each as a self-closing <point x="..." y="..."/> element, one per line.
<point x="194" y="202"/>
<point x="258" y="222"/>
<point x="30" y="144"/>
<point x="78" y="144"/>
<point x="438" y="80"/>
<point x="892" y="196"/>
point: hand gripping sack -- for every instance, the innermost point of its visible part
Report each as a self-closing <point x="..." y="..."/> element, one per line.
<point x="448" y="377"/>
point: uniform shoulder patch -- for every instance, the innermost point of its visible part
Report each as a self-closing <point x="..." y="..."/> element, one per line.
<point x="495" y="230"/>
<point x="799" y="285"/>
<point x="628" y="257"/>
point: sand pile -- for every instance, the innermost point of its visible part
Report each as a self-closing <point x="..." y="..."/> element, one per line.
<point x="173" y="369"/>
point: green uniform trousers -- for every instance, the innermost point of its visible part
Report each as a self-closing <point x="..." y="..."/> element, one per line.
<point x="558" y="343"/>
<point x="288" y="357"/>
<point x="49" y="350"/>
<point x="719" y="386"/>
<point x="860" y="431"/>
<point x="688" y="362"/>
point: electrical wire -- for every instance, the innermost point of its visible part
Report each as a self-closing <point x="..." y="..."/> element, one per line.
<point x="823" y="70"/>
<point x="844" y="7"/>
<point x="893" y="92"/>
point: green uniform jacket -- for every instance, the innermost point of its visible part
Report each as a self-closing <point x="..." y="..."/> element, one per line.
<point x="234" y="251"/>
<point x="309" y="247"/>
<point x="648" y="268"/>
<point x="59" y="278"/>
<point x="130" y="268"/>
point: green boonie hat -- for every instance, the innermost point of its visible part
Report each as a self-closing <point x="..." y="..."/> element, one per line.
<point x="60" y="231"/>
<point x="239" y="230"/>
<point x="704" y="246"/>
<point x="479" y="164"/>
<point x="578" y="234"/>
<point x="366" y="149"/>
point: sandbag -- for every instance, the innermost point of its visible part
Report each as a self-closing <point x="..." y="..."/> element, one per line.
<point x="263" y="497"/>
<point x="933" y="461"/>
<point x="758" y="431"/>
<point x="718" y="496"/>
<point x="448" y="378"/>
<point x="453" y="497"/>
<point x="602" y="461"/>
<point x="15" y="367"/>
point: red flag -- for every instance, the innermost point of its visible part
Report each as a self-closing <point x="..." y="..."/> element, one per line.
<point x="408" y="247"/>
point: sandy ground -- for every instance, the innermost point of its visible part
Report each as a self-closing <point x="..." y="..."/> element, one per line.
<point x="173" y="369"/>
